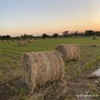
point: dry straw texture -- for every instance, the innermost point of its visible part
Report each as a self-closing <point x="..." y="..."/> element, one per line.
<point x="68" y="51"/>
<point x="42" y="67"/>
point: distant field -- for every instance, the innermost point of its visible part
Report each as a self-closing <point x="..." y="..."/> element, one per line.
<point x="11" y="71"/>
<point x="48" y="44"/>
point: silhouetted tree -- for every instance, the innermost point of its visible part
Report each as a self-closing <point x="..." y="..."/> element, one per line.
<point x="29" y="36"/>
<point x="44" y="36"/>
<point x="89" y="32"/>
<point x="65" y="33"/>
<point x="55" y="35"/>
<point x="17" y="37"/>
<point x="5" y="37"/>
<point x="75" y="33"/>
<point x="97" y="33"/>
<point x="25" y="36"/>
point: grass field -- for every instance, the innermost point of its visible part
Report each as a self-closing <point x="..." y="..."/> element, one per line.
<point x="12" y="86"/>
<point x="48" y="44"/>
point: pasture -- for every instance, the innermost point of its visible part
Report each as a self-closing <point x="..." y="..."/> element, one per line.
<point x="12" y="86"/>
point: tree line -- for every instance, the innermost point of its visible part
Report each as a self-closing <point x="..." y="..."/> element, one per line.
<point x="55" y="35"/>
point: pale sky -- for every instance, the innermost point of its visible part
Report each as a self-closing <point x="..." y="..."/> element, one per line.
<point x="48" y="16"/>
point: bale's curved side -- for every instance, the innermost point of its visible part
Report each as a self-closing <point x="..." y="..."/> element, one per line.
<point x="42" y="67"/>
<point x="29" y="71"/>
<point x="68" y="51"/>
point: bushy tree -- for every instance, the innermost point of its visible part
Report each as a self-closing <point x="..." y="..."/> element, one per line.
<point x="44" y="35"/>
<point x="65" y="33"/>
<point x="89" y="32"/>
<point x="25" y="36"/>
<point x="55" y="35"/>
<point x="5" y="37"/>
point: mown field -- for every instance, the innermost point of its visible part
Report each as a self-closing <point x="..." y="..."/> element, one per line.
<point x="12" y="86"/>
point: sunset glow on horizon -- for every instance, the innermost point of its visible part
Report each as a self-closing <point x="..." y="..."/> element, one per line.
<point x="48" y="16"/>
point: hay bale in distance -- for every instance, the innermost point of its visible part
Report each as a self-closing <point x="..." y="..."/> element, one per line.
<point x="68" y="51"/>
<point x="3" y="41"/>
<point x="94" y="38"/>
<point x="14" y="40"/>
<point x="22" y="43"/>
<point x="42" y="67"/>
<point x="29" y="41"/>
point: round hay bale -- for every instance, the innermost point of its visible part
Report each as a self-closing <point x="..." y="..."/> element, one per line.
<point x="14" y="40"/>
<point x="68" y="51"/>
<point x="29" y="41"/>
<point x="42" y="67"/>
<point x="3" y="41"/>
<point x="22" y="43"/>
<point x="94" y="38"/>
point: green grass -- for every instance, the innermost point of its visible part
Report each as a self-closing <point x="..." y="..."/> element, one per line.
<point x="11" y="51"/>
<point x="11" y="60"/>
<point x="86" y="67"/>
<point x="43" y="45"/>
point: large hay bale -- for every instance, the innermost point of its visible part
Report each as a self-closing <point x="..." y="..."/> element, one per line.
<point x="42" y="67"/>
<point x="68" y="51"/>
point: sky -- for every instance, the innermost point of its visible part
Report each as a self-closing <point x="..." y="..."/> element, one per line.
<point x="48" y="16"/>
